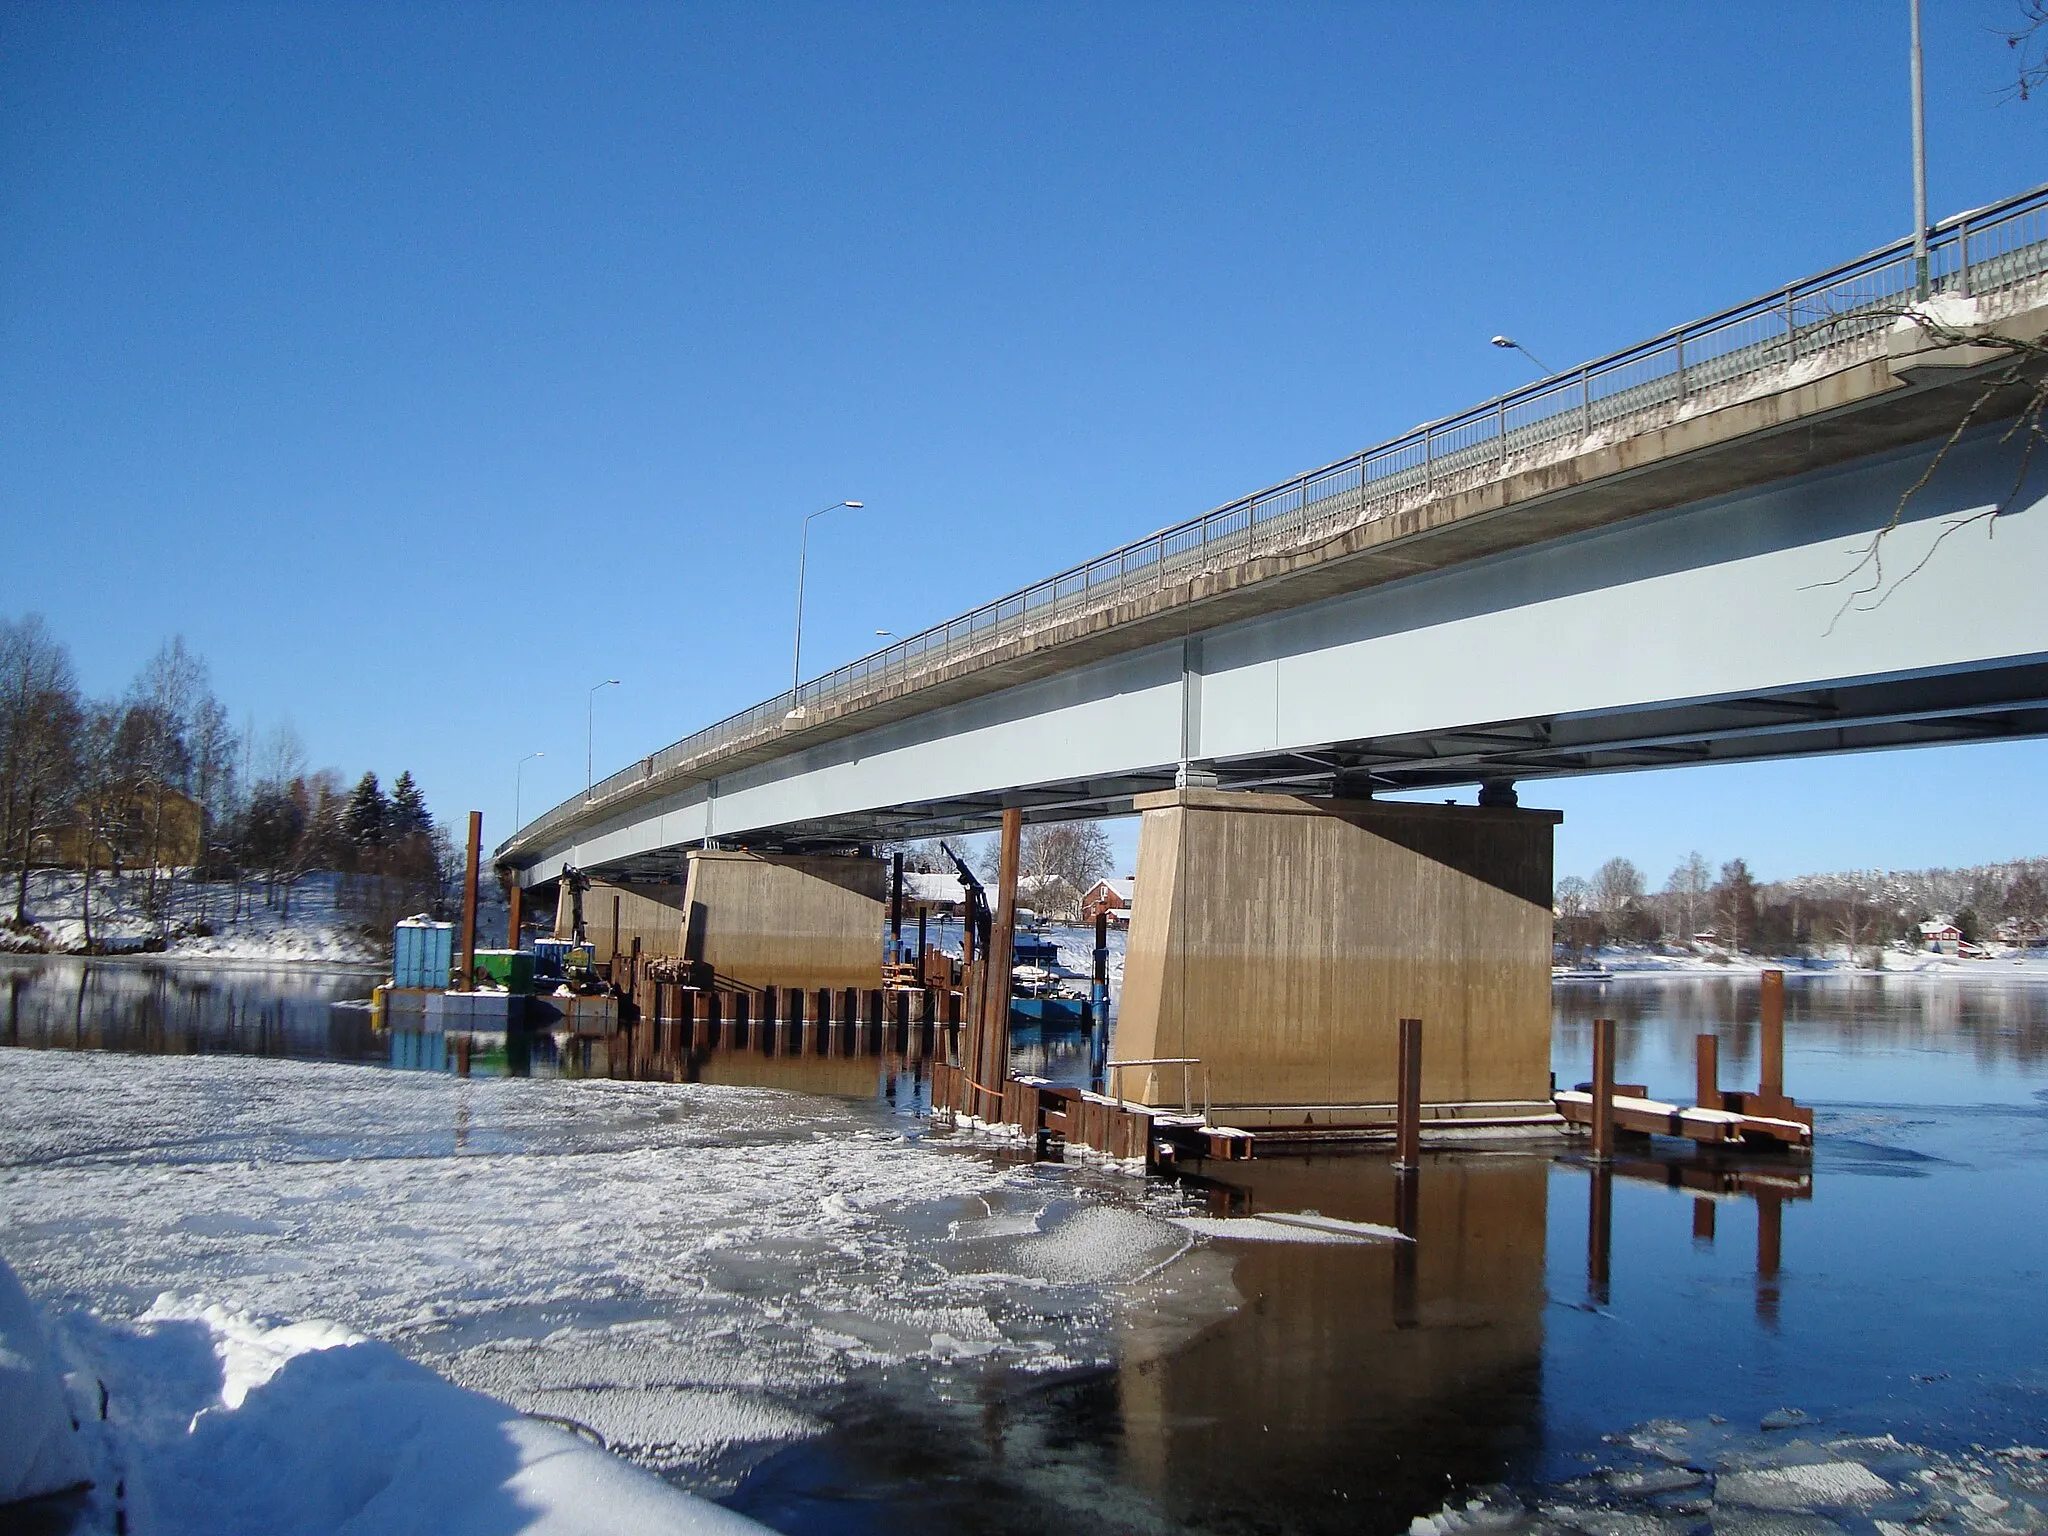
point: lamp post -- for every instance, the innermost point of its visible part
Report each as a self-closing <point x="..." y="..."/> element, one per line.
<point x="1919" y="164"/>
<point x="518" y="776"/>
<point x="1509" y="343"/>
<point x="796" y="709"/>
<point x="589" y="732"/>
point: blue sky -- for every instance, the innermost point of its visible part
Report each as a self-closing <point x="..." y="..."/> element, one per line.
<point x="424" y="365"/>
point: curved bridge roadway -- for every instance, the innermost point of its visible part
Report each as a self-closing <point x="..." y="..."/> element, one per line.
<point x="1637" y="563"/>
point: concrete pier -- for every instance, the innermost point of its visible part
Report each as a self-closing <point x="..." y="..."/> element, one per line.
<point x="1279" y="940"/>
<point x="616" y="913"/>
<point x="785" y="920"/>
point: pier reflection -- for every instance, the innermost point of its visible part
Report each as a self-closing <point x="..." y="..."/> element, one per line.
<point x="1714" y="1176"/>
<point x="1356" y="1380"/>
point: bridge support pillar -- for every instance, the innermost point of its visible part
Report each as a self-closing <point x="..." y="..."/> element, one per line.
<point x="1279" y="941"/>
<point x="809" y="921"/>
<point x="616" y="913"/>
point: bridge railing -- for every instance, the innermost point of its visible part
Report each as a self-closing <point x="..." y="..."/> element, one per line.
<point x="1974" y="253"/>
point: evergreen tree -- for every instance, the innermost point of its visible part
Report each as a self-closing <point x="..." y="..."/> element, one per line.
<point x="368" y="818"/>
<point x="409" y="812"/>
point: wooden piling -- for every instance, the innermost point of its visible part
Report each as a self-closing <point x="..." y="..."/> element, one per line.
<point x="896" y="909"/>
<point x="1603" y="1090"/>
<point x="1770" y="1231"/>
<point x="1702" y="1219"/>
<point x="1707" y="1071"/>
<point x="515" y="900"/>
<point x="1771" y="1047"/>
<point x="1002" y="945"/>
<point x="1600" y="1232"/>
<point x="466" y="981"/>
<point x="1408" y="1096"/>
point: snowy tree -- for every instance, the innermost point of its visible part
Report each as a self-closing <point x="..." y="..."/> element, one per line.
<point x="409" y="814"/>
<point x="368" y="817"/>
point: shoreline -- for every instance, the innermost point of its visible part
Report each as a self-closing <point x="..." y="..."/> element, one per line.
<point x="186" y="958"/>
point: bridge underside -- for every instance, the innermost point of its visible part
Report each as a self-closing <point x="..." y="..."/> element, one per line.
<point x="1994" y="704"/>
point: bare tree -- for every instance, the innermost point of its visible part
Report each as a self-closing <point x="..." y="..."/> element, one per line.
<point x="1855" y="918"/>
<point x="2023" y="377"/>
<point x="1616" y="884"/>
<point x="1687" y="888"/>
<point x="166" y="697"/>
<point x="1050" y="854"/>
<point x="102" y="799"/>
<point x="1735" y="903"/>
<point x="39" y="723"/>
<point x="1573" y="897"/>
<point x="2025" y="41"/>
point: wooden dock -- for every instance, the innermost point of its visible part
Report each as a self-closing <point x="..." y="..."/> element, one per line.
<point x="1720" y="1117"/>
<point x="1635" y="1113"/>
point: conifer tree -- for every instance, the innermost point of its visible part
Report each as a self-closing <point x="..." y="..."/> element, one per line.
<point x="409" y="812"/>
<point x="368" y="816"/>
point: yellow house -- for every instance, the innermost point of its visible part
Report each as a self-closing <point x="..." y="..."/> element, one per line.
<point x="162" y="820"/>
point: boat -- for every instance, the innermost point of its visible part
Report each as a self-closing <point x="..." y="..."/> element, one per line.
<point x="1042" y="991"/>
<point x="1590" y="970"/>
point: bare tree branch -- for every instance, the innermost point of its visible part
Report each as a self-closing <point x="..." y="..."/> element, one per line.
<point x="1867" y="577"/>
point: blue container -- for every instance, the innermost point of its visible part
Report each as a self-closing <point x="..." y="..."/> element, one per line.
<point x="422" y="954"/>
<point x="549" y="955"/>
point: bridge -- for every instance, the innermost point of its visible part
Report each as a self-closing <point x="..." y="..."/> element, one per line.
<point x="1657" y="558"/>
<point x="1623" y="566"/>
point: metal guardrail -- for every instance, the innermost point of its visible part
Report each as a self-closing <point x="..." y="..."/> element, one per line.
<point x="1973" y="253"/>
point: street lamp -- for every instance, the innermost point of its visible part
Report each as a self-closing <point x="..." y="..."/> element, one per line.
<point x="589" y="729"/>
<point x="1919" y="164"/>
<point x="518" y="774"/>
<point x="796" y="709"/>
<point x="1510" y="344"/>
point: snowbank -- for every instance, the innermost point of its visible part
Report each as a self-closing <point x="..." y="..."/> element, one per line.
<point x="218" y="1422"/>
<point x="39" y="1449"/>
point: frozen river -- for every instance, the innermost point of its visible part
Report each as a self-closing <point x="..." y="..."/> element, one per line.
<point x="807" y="1306"/>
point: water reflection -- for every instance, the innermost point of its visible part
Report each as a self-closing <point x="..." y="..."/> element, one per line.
<point x="158" y="1008"/>
<point x="1914" y="1036"/>
<point x="1355" y="1380"/>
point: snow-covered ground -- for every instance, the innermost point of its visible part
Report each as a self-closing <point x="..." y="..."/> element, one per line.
<point x="697" y="1274"/>
<point x="2001" y="966"/>
<point x="204" y="920"/>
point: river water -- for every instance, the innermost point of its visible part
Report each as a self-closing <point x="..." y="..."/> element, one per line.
<point x="803" y="1303"/>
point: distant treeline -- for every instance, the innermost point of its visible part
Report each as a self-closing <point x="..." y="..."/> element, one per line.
<point x="1856" y="910"/>
<point x="157" y="785"/>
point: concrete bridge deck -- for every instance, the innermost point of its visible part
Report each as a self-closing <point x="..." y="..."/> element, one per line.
<point x="1748" y="452"/>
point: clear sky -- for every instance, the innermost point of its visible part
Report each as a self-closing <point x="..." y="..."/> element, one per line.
<point x="424" y="365"/>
